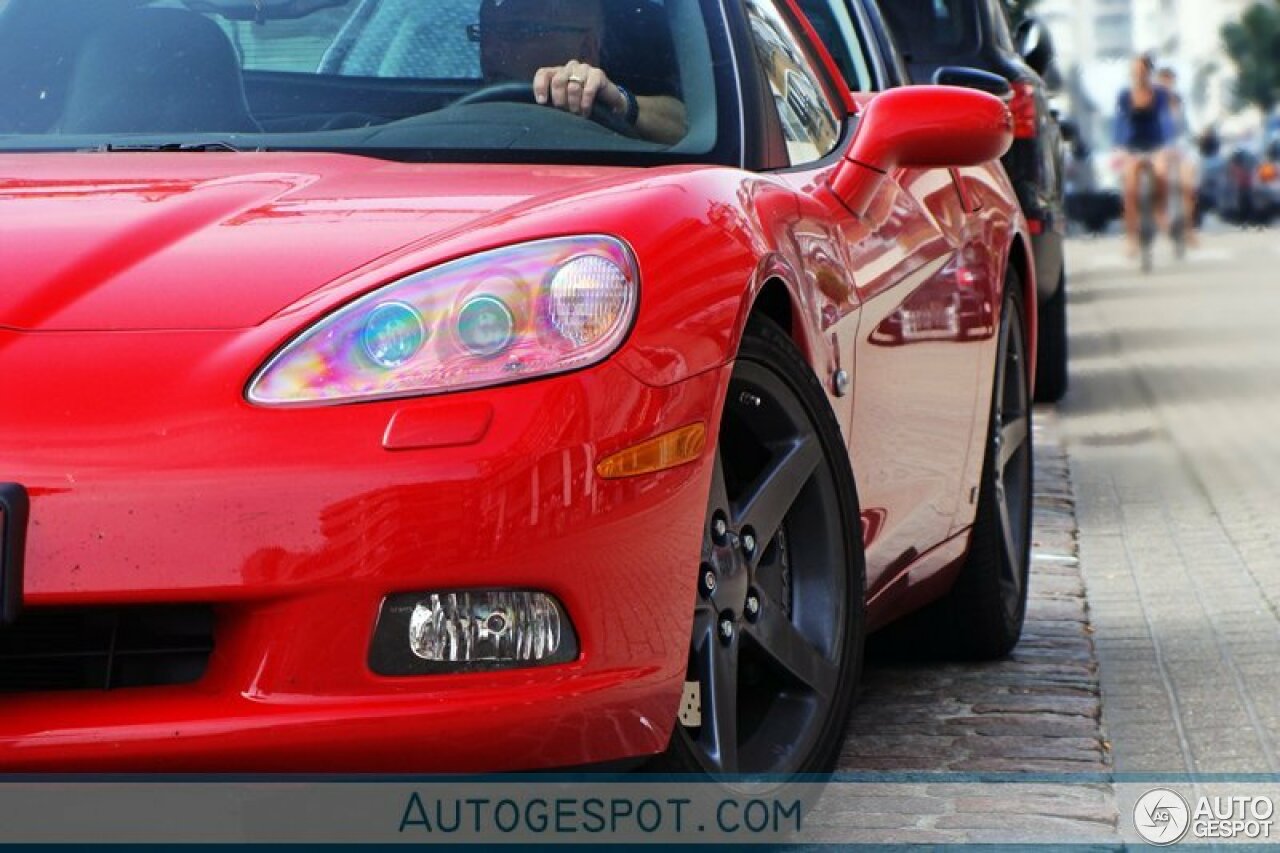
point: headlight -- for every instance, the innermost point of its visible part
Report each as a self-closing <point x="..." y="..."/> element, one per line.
<point x="530" y="310"/>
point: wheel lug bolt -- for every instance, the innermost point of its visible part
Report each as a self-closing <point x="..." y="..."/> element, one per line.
<point x="726" y="629"/>
<point x="752" y="606"/>
<point x="708" y="581"/>
<point x="719" y="529"/>
<point x="748" y="542"/>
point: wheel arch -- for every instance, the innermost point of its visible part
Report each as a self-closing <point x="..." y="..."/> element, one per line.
<point x="776" y="301"/>
<point x="775" y="294"/>
<point x="1020" y="260"/>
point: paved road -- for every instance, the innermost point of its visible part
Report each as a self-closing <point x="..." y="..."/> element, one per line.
<point x="1173" y="429"/>
<point x="1153" y="640"/>
<point x="1036" y="714"/>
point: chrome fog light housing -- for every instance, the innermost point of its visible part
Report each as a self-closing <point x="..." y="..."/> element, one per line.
<point x="469" y="631"/>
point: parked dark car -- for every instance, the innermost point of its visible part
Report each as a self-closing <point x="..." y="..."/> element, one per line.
<point x="934" y="36"/>
<point x="1091" y="207"/>
<point x="1249" y="189"/>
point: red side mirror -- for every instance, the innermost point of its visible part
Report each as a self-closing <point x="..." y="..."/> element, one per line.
<point x="932" y="127"/>
<point x="923" y="127"/>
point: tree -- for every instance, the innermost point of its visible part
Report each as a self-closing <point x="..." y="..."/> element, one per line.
<point x="1253" y="43"/>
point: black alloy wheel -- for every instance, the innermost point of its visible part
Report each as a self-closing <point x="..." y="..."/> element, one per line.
<point x="981" y="618"/>
<point x="1011" y="450"/>
<point x="778" y="624"/>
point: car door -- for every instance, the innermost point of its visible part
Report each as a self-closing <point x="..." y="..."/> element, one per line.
<point x="918" y="343"/>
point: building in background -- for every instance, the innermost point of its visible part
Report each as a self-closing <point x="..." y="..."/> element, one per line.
<point x="1096" y="39"/>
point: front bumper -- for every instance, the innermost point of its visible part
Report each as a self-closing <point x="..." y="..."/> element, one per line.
<point x="151" y="481"/>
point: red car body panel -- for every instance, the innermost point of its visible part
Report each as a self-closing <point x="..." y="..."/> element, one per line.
<point x="141" y="292"/>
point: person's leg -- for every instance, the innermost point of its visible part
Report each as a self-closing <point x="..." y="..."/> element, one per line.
<point x="1160" y="166"/>
<point x="1190" y="199"/>
<point x="1132" y="216"/>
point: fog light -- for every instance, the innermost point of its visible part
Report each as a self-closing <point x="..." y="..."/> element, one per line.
<point x="471" y="630"/>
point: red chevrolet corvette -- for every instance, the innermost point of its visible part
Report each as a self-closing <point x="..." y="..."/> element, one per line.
<point x="424" y="385"/>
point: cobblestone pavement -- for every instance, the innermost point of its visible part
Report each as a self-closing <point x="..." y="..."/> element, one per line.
<point x="1173" y="426"/>
<point x="1037" y="712"/>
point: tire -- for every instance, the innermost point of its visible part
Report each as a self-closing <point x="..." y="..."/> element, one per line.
<point x="776" y="692"/>
<point x="1178" y="233"/>
<point x="981" y="617"/>
<point x="1052" y="350"/>
<point x="1147" y="218"/>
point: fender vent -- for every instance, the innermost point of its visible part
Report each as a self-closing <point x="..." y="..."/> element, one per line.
<point x="88" y="648"/>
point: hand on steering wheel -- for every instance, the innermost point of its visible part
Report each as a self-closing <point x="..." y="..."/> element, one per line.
<point x="576" y="87"/>
<point x="523" y="93"/>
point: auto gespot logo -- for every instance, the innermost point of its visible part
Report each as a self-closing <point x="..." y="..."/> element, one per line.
<point x="1163" y="817"/>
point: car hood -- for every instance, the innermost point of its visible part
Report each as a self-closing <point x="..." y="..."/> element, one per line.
<point x="130" y="241"/>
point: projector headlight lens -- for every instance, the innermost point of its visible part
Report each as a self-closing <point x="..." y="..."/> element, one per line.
<point x="393" y="334"/>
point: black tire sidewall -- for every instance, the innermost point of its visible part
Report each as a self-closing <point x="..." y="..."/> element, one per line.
<point x="768" y="346"/>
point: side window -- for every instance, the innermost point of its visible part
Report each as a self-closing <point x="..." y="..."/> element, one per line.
<point x="1001" y="33"/>
<point x="286" y="44"/>
<point x="809" y="124"/>
<point x="831" y="21"/>
<point x="439" y="40"/>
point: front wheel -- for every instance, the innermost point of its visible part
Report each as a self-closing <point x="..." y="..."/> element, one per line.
<point x="778" y="624"/>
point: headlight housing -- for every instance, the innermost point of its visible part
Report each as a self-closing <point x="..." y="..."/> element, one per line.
<point x="535" y="309"/>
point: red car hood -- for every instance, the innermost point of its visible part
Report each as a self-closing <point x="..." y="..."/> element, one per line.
<point x="223" y="241"/>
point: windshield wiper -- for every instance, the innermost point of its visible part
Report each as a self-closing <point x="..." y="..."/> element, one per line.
<point x="182" y="147"/>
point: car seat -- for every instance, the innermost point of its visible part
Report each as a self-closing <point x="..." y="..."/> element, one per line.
<point x="158" y="70"/>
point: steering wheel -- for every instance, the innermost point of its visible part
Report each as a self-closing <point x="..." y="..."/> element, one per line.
<point x="516" y="92"/>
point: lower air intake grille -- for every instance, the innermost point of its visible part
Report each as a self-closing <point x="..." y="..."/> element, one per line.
<point x="89" y="648"/>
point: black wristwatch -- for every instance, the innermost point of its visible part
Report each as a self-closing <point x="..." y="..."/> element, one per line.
<point x="633" y="106"/>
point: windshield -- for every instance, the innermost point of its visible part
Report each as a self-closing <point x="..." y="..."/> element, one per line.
<point x="592" y="81"/>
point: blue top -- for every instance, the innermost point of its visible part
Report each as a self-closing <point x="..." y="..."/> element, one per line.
<point x="1148" y="129"/>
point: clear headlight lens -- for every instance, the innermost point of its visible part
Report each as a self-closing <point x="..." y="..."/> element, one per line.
<point x="530" y="310"/>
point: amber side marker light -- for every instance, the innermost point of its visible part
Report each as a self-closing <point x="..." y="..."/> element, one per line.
<point x="657" y="454"/>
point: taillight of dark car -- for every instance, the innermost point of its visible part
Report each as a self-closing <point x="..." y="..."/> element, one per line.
<point x="1023" y="107"/>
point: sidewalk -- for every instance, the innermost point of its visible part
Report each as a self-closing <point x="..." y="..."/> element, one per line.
<point x="1037" y="713"/>
<point x="1173" y="427"/>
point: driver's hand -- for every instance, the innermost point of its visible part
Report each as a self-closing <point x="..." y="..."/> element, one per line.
<point x="575" y="87"/>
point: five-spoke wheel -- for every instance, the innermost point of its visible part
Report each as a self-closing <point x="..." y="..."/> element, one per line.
<point x="778" y="624"/>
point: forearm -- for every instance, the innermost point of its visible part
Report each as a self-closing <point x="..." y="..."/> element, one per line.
<point x="661" y="118"/>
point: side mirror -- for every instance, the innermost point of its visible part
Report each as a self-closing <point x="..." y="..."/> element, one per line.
<point x="921" y="127"/>
<point x="973" y="78"/>
<point x="1070" y="131"/>
<point x="1034" y="45"/>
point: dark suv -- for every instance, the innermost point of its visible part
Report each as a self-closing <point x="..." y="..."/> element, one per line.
<point x="936" y="34"/>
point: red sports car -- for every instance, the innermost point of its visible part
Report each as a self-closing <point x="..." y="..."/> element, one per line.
<point x="416" y="385"/>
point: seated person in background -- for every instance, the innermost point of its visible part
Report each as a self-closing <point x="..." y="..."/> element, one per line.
<point x="559" y="46"/>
